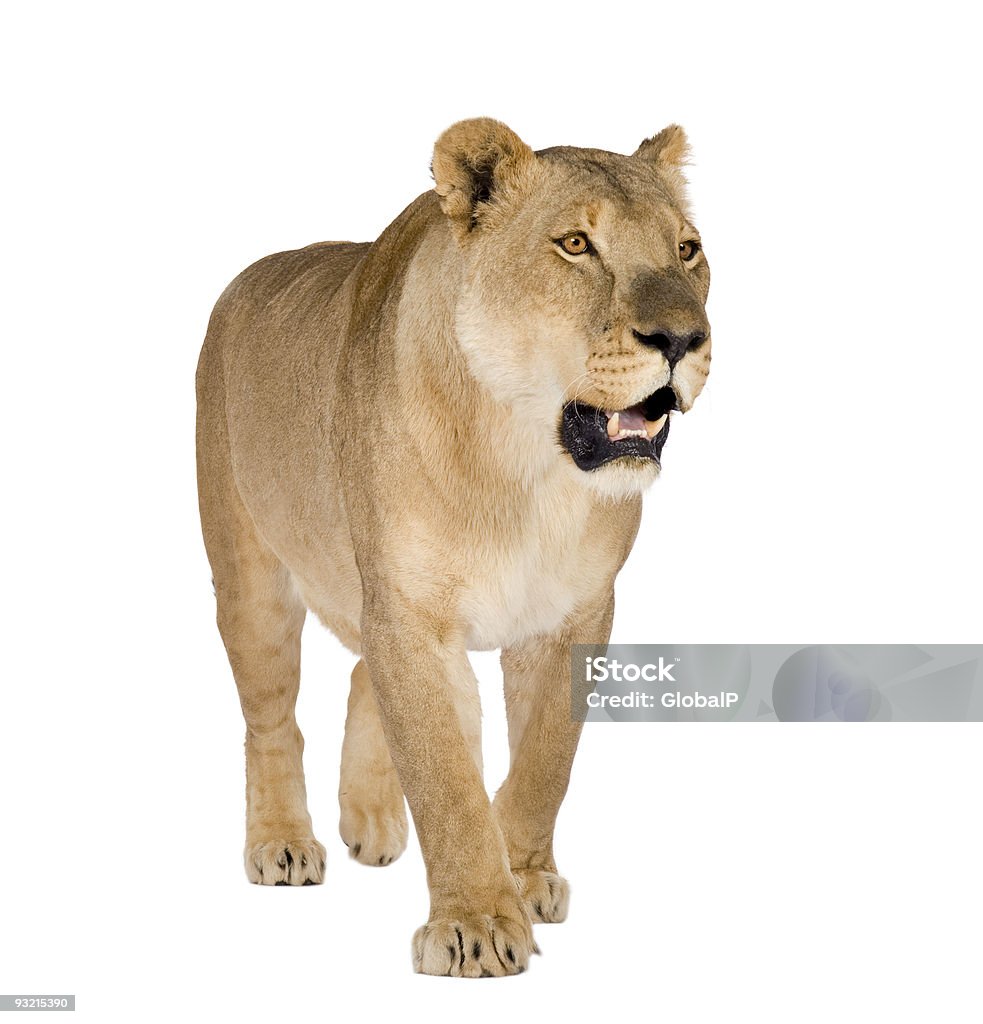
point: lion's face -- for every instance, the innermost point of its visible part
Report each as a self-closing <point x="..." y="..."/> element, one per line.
<point x="583" y="296"/>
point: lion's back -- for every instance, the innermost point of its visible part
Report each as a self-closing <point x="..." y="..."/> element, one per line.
<point x="247" y="320"/>
<point x="315" y="271"/>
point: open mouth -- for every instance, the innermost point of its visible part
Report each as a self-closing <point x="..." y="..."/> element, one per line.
<point x="594" y="436"/>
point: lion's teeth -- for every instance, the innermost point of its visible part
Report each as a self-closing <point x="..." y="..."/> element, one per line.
<point x="618" y="433"/>
<point x="653" y="428"/>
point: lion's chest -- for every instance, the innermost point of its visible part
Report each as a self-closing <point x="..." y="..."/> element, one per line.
<point x="527" y="582"/>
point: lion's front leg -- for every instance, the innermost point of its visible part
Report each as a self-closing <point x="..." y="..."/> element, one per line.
<point x="543" y="738"/>
<point x="478" y="925"/>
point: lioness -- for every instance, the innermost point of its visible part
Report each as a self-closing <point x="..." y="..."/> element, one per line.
<point x="438" y="442"/>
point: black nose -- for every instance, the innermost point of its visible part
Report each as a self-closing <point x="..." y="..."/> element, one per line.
<point x="672" y="346"/>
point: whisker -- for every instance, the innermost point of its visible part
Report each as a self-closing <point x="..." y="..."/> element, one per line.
<point x="582" y="377"/>
<point x="582" y="382"/>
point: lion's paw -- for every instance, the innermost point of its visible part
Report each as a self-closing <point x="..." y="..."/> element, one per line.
<point x="478" y="946"/>
<point x="545" y="894"/>
<point x="285" y="862"/>
<point x="374" y="835"/>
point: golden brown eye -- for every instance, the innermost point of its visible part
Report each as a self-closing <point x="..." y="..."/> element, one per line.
<point x="688" y="251"/>
<point x="575" y="244"/>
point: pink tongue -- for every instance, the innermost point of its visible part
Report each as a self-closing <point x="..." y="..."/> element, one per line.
<point x="632" y="419"/>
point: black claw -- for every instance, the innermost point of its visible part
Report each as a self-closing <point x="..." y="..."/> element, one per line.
<point x="382" y="859"/>
<point x="290" y="859"/>
<point x="356" y="849"/>
<point x="460" y="945"/>
<point x="498" y="955"/>
<point x="538" y="907"/>
<point x="476" y="949"/>
<point x="510" y="954"/>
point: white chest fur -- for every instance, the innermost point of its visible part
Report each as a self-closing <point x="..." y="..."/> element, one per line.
<point x="528" y="584"/>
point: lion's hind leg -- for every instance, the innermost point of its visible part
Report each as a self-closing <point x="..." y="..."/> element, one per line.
<point x="373" y="812"/>
<point x="260" y="617"/>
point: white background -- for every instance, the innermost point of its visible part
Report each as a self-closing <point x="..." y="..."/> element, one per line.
<point x="824" y="489"/>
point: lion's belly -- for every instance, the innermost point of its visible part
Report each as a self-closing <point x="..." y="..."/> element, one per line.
<point x="508" y="603"/>
<point x="501" y="585"/>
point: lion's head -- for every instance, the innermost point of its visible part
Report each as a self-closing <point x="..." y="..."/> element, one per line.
<point x="583" y="291"/>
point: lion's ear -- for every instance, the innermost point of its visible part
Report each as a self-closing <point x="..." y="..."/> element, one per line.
<point x="668" y="150"/>
<point x="473" y="161"/>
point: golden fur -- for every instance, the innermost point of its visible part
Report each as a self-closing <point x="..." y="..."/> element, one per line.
<point x="378" y="442"/>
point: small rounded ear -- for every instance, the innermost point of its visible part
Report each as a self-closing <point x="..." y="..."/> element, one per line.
<point x="472" y="162"/>
<point x="668" y="150"/>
